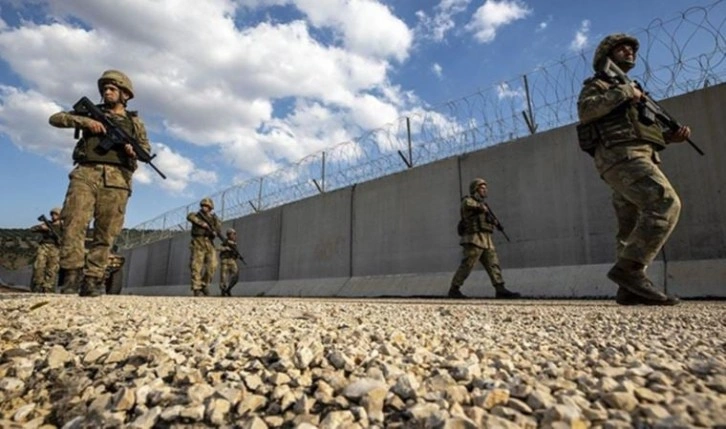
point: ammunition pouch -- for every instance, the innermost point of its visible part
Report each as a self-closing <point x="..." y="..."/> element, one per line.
<point x="588" y="137"/>
<point x="645" y="116"/>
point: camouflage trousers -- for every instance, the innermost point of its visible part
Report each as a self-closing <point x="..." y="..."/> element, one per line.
<point x="229" y="270"/>
<point x="45" y="268"/>
<point x="487" y="257"/>
<point x="646" y="207"/>
<point x="203" y="263"/>
<point x="98" y="192"/>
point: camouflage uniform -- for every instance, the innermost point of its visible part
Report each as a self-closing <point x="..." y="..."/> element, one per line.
<point x="626" y="157"/>
<point x="228" y="264"/>
<point x="45" y="266"/>
<point x="476" y="240"/>
<point x="99" y="189"/>
<point x="203" y="261"/>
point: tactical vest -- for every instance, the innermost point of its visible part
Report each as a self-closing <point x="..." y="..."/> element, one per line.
<point x="226" y="253"/>
<point x="622" y="125"/>
<point x="198" y="231"/>
<point x="474" y="223"/>
<point x="88" y="149"/>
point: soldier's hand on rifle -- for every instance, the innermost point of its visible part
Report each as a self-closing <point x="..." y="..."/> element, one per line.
<point x="637" y="94"/>
<point x="94" y="126"/>
<point x="682" y="134"/>
<point x="130" y="151"/>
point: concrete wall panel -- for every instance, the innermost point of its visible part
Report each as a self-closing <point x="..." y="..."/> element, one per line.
<point x="258" y="237"/>
<point x="406" y="222"/>
<point x="178" y="262"/>
<point x="316" y="237"/>
<point x="157" y="263"/>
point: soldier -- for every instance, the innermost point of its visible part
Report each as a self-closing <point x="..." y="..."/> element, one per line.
<point x="476" y="239"/>
<point x="45" y="267"/>
<point x="230" y="271"/>
<point x="203" y="262"/>
<point x="100" y="186"/>
<point x="625" y="150"/>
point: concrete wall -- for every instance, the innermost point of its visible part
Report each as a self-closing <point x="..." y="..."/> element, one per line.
<point x="396" y="235"/>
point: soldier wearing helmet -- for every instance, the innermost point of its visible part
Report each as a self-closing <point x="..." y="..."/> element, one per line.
<point x="625" y="145"/>
<point x="100" y="185"/>
<point x="45" y="266"/>
<point x="228" y="263"/>
<point x="203" y="263"/>
<point x="475" y="228"/>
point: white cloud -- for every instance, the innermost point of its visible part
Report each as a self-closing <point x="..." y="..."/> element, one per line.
<point x="505" y="91"/>
<point x="581" y="36"/>
<point x="493" y="15"/>
<point x="179" y="170"/>
<point x="437" y="69"/>
<point x="24" y="118"/>
<point x="435" y="27"/>
<point x="365" y="27"/>
<point x="215" y="87"/>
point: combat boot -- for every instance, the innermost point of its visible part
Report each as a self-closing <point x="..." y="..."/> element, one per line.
<point x="630" y="275"/>
<point x="625" y="297"/>
<point x="455" y="293"/>
<point x="92" y="287"/>
<point x="71" y="281"/>
<point x="205" y="290"/>
<point x="504" y="293"/>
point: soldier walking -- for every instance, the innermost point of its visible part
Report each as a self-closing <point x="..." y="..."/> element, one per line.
<point x="203" y="261"/>
<point x="624" y="143"/>
<point x="478" y="224"/>
<point x="100" y="185"/>
<point x="45" y="267"/>
<point x="228" y="262"/>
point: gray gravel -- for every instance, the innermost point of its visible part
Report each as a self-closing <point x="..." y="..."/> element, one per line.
<point x="142" y="362"/>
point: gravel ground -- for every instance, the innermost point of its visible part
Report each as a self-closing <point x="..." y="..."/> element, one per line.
<point x="143" y="362"/>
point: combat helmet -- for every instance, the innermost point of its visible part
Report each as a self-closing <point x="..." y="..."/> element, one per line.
<point x="206" y="201"/>
<point x="231" y="231"/>
<point x="475" y="184"/>
<point x="117" y="78"/>
<point x="56" y="210"/>
<point x="608" y="43"/>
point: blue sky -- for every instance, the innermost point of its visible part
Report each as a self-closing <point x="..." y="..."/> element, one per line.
<point x="232" y="90"/>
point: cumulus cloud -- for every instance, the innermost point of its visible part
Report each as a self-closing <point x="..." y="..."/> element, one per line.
<point x="506" y="91"/>
<point x="438" y="70"/>
<point x="493" y="15"/>
<point x="203" y="78"/>
<point x="436" y="26"/>
<point x="579" y="42"/>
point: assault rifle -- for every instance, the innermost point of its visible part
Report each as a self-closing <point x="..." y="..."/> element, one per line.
<point x="651" y="111"/>
<point x="49" y="225"/>
<point x="115" y="135"/>
<point x="495" y="221"/>
<point x="218" y="234"/>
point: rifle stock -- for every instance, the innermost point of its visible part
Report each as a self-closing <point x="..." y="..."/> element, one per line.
<point x="661" y="115"/>
<point x="115" y="135"/>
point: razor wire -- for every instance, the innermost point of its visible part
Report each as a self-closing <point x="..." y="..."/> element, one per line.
<point x="680" y="55"/>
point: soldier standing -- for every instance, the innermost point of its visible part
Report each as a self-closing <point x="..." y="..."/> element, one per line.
<point x="203" y="262"/>
<point x="100" y="185"/>
<point x="476" y="239"/>
<point x="45" y="267"/>
<point x="228" y="262"/>
<point x="625" y="150"/>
